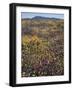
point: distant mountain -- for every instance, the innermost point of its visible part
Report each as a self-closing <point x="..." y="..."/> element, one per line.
<point x="40" y="17"/>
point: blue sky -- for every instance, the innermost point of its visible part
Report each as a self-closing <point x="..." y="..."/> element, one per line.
<point x="49" y="15"/>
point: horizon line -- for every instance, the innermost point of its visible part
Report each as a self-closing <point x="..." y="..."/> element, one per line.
<point x="43" y="17"/>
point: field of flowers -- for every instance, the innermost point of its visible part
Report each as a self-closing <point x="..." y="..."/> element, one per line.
<point x="42" y="48"/>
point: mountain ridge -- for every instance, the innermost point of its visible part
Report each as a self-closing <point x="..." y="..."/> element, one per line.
<point x="41" y="17"/>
